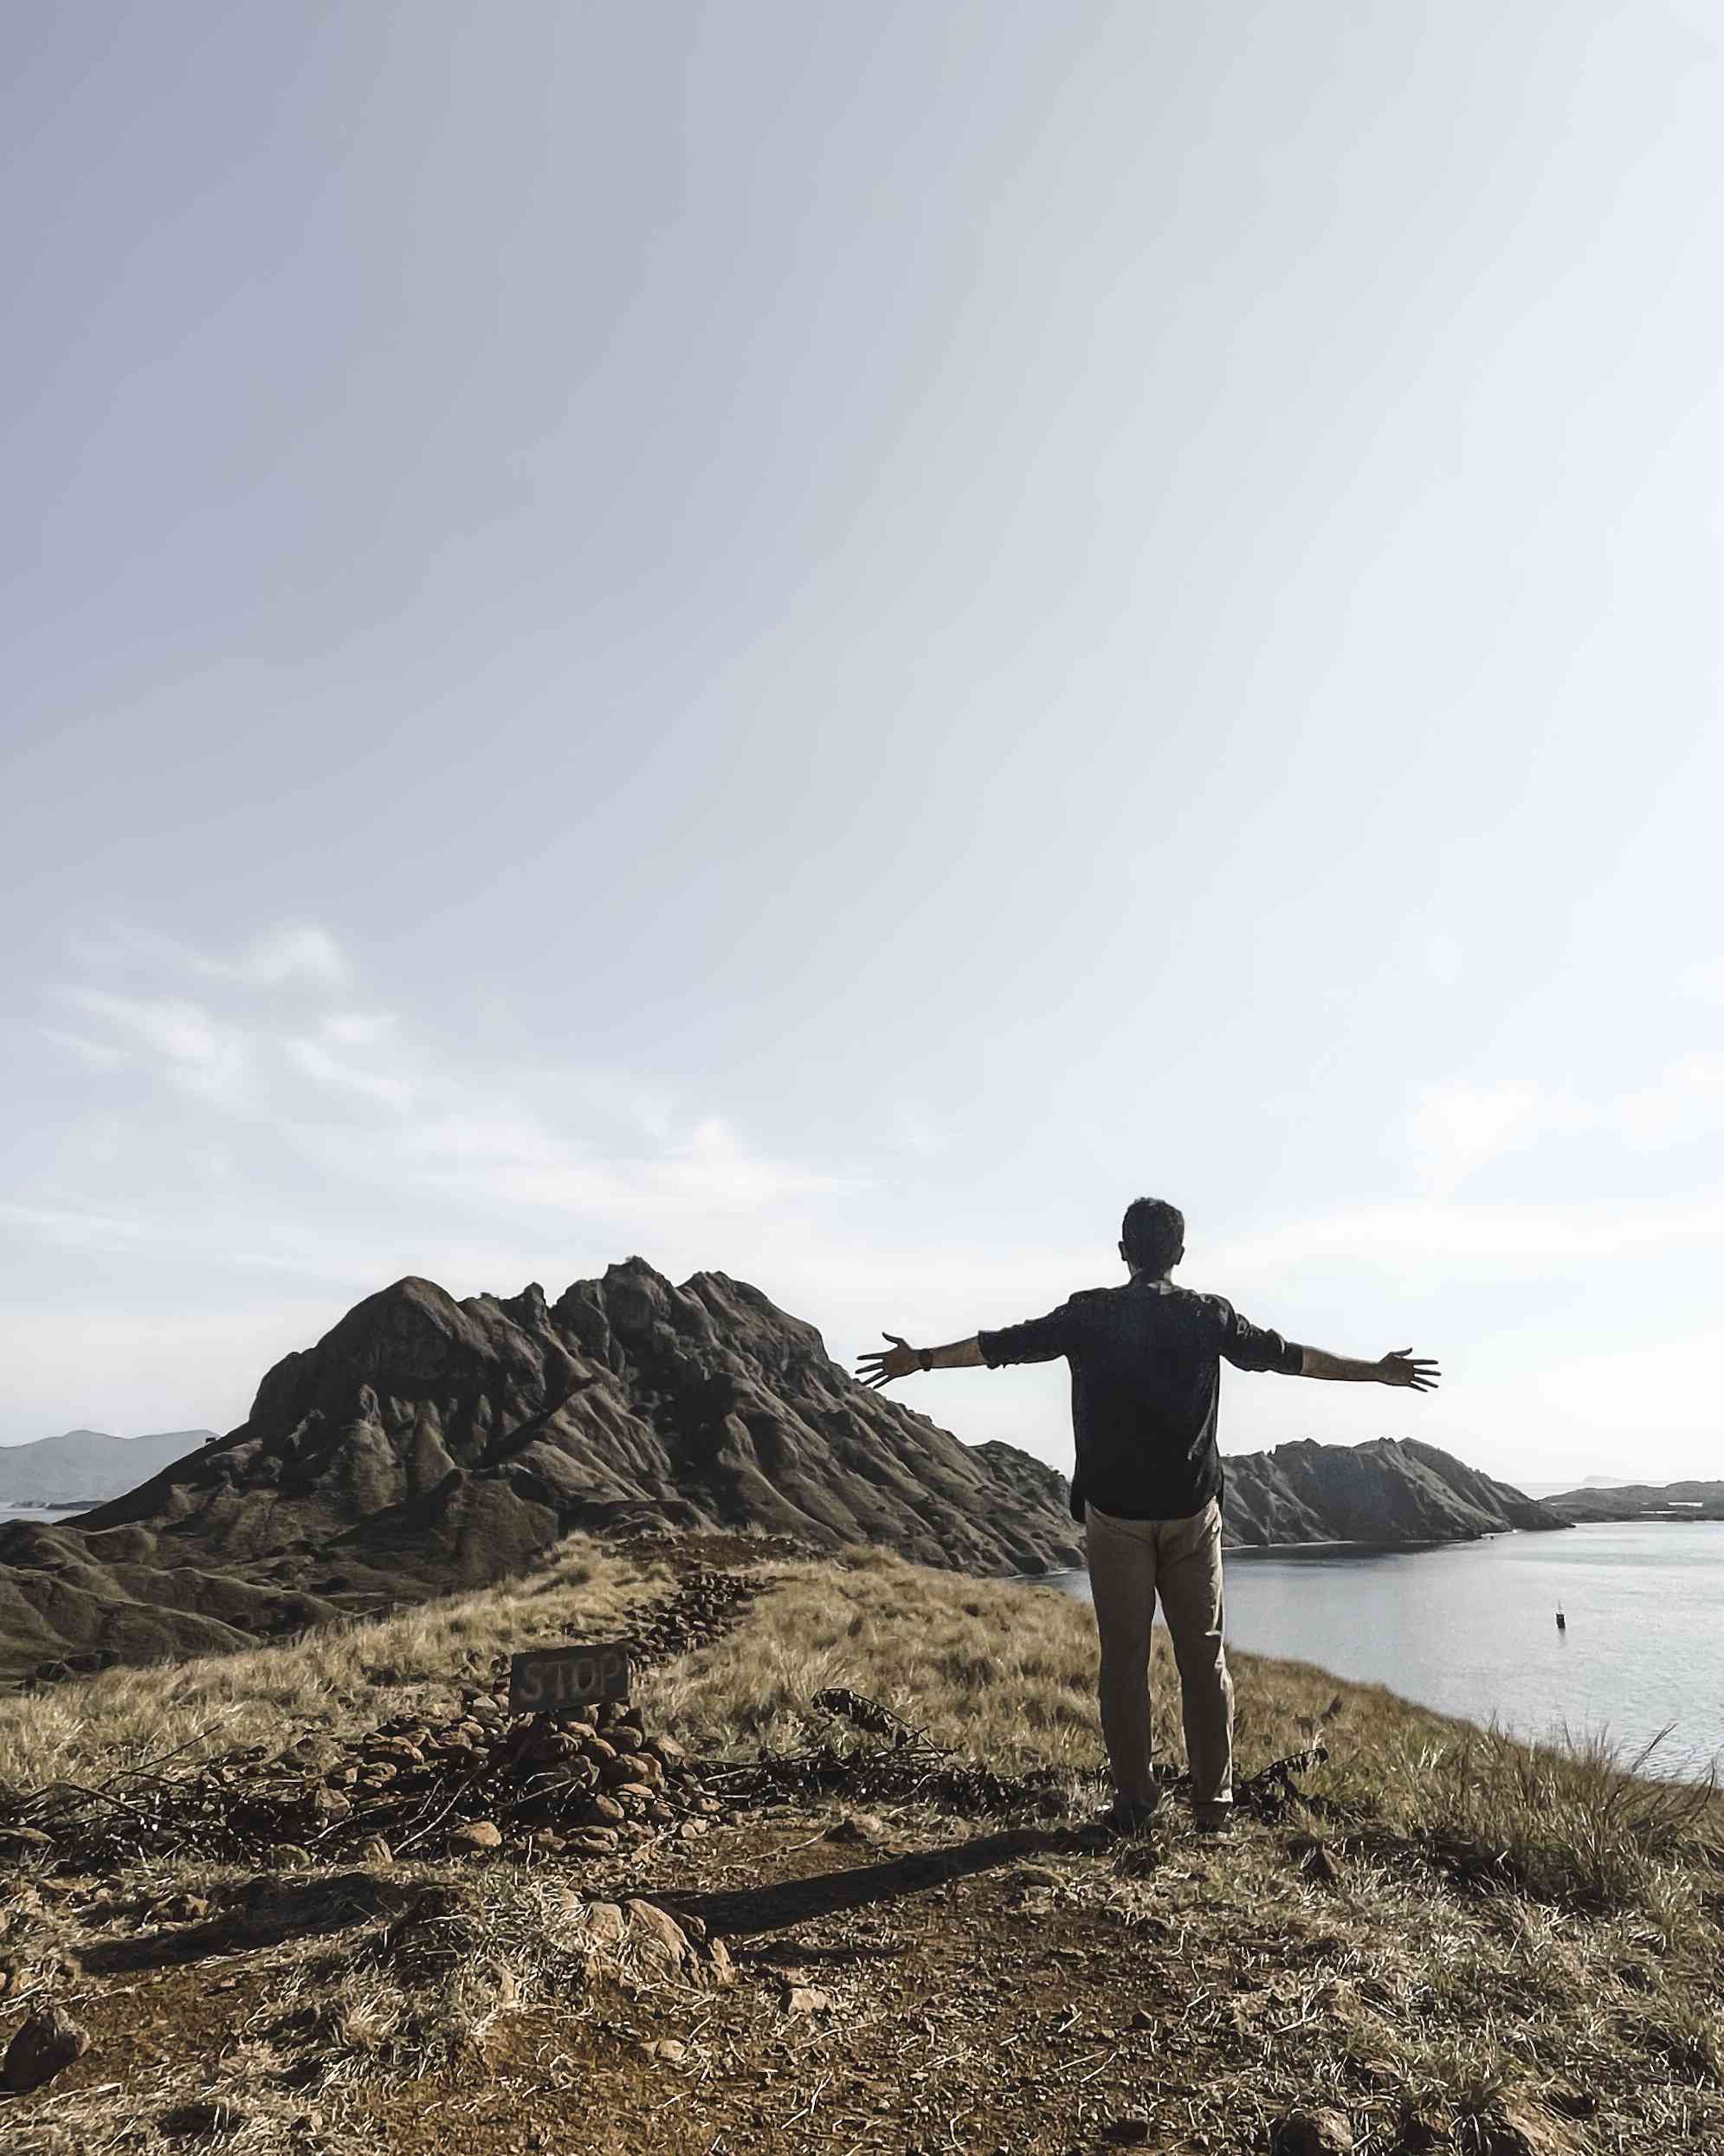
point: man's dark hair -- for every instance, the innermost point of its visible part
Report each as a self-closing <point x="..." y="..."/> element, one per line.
<point x="1154" y="1234"/>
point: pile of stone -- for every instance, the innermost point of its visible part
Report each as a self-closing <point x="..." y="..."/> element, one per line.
<point x="703" y="1608"/>
<point x="483" y="1780"/>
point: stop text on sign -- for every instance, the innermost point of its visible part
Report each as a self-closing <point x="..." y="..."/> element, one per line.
<point x="557" y="1679"/>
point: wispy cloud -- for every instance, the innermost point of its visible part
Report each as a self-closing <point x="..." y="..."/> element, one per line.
<point x="368" y="1105"/>
<point x="302" y="954"/>
<point x="356" y="1028"/>
<point x="95" y="1054"/>
<point x="1475" y="1241"/>
<point x="299" y="954"/>
<point x="313" y="1060"/>
<point x="912" y="1129"/>
<point x="73" y="1228"/>
<point x="1457" y="1128"/>
<point x="188" y="1045"/>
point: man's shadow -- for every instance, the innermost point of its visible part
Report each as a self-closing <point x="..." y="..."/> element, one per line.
<point x="748" y="1910"/>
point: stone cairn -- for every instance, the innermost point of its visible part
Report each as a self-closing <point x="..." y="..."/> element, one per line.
<point x="593" y="1784"/>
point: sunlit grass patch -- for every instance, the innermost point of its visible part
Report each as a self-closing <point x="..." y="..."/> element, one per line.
<point x="338" y="1677"/>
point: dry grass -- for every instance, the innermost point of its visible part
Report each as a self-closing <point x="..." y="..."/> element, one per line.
<point x="334" y="1680"/>
<point x="1005" y="1673"/>
<point x="1461" y="1929"/>
<point x="1002" y="1672"/>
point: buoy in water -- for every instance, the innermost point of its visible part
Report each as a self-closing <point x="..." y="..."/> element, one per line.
<point x="1561" y="1621"/>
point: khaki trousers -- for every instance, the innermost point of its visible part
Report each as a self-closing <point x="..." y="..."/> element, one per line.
<point x="1130" y="1561"/>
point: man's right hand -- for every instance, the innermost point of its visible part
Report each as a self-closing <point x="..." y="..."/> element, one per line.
<point x="1401" y="1367"/>
<point x="884" y="1364"/>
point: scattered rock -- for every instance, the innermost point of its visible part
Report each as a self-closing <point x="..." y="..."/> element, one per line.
<point x="806" y="1998"/>
<point x="1313" y="2133"/>
<point x="671" y="2050"/>
<point x="23" y="1841"/>
<point x="635" y="1942"/>
<point x="1315" y="1858"/>
<point x="46" y="2045"/>
<point x="1510" y="2127"/>
<point x="475" y="1837"/>
<point x="1131" y="2128"/>
<point x="864" y="1827"/>
<point x="196" y="2121"/>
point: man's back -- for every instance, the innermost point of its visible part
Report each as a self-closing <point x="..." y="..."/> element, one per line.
<point x="1146" y="1385"/>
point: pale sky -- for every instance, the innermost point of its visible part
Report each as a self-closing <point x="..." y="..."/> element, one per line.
<point x="824" y="640"/>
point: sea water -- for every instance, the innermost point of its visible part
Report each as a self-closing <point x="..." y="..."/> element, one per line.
<point x="1470" y="1629"/>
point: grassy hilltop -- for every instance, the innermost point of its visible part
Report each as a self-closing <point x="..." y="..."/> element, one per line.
<point x="1450" y="1941"/>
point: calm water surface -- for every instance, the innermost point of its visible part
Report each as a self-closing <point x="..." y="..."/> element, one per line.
<point x="1470" y="1629"/>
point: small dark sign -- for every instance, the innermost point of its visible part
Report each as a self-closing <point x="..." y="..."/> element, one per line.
<point x="556" y="1680"/>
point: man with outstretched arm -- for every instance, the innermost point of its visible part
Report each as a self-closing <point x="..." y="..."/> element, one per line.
<point x="1146" y="1379"/>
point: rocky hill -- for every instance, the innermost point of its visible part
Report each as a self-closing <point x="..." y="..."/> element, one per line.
<point x="84" y="1467"/>
<point x="425" y="1444"/>
<point x="1642" y="1501"/>
<point x="1391" y="1490"/>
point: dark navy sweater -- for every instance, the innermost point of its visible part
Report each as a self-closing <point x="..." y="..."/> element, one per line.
<point x="1145" y="1382"/>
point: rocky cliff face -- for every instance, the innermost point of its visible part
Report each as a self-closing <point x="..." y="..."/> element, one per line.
<point x="426" y="1444"/>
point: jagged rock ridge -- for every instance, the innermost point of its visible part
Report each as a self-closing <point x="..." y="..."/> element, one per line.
<point x="425" y="1444"/>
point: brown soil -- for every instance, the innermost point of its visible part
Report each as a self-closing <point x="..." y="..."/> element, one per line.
<point x="977" y="1990"/>
<point x="1009" y="2005"/>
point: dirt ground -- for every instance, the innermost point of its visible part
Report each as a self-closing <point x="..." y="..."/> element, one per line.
<point x="902" y="1984"/>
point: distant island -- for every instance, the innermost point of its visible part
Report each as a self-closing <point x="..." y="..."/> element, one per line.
<point x="1390" y="1492"/>
<point x="1641" y="1500"/>
<point x="1393" y="1490"/>
<point x="88" y="1467"/>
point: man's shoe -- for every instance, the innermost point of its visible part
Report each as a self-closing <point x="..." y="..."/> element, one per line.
<point x="1127" y="1820"/>
<point x="1218" y="1822"/>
